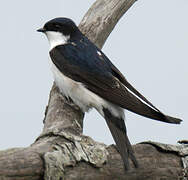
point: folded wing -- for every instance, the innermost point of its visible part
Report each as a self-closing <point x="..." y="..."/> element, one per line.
<point x="100" y="76"/>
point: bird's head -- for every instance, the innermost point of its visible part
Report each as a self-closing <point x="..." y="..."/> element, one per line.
<point x="59" y="31"/>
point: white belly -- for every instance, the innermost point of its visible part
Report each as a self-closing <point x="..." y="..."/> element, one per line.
<point x="83" y="97"/>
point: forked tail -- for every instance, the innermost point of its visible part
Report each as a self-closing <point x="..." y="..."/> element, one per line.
<point x="118" y="131"/>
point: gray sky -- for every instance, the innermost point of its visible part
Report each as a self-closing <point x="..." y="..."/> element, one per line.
<point x="149" y="46"/>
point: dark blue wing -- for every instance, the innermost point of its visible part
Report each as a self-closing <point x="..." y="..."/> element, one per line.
<point x="84" y="62"/>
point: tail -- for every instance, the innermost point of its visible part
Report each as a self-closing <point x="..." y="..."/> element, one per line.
<point x="118" y="131"/>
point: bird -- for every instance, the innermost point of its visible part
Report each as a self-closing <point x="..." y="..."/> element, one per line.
<point x="84" y="74"/>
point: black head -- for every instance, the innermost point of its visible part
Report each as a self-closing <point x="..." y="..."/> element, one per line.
<point x="62" y="25"/>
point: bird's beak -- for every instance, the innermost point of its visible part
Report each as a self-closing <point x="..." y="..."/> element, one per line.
<point x="41" y="30"/>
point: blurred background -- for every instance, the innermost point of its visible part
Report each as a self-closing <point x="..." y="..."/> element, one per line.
<point x="149" y="45"/>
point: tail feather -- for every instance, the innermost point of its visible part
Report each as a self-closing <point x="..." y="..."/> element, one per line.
<point x="118" y="131"/>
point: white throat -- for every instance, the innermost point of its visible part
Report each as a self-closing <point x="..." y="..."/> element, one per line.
<point x="56" y="38"/>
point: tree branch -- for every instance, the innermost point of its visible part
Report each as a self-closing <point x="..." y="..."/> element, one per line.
<point x="63" y="152"/>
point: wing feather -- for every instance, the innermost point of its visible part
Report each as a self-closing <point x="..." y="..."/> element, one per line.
<point x="100" y="76"/>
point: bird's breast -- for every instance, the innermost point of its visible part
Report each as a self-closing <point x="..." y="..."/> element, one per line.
<point x="72" y="89"/>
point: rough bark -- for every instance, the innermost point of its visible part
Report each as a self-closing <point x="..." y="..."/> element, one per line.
<point x="63" y="152"/>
